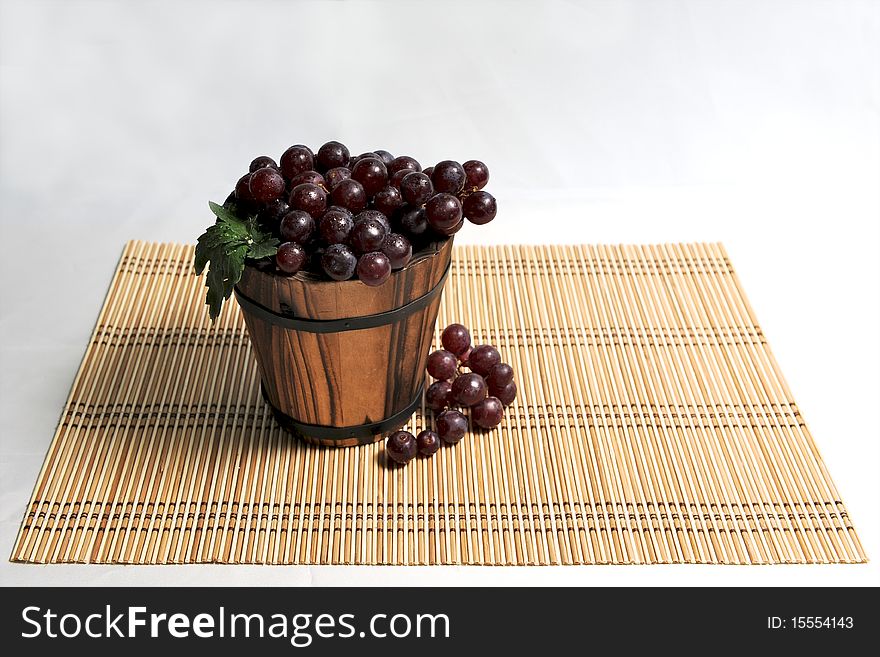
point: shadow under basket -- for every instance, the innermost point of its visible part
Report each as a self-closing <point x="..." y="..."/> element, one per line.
<point x="343" y="363"/>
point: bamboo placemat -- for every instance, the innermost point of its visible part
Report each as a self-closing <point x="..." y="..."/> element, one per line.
<point x="653" y="426"/>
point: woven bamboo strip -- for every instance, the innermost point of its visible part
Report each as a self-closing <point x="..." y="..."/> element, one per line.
<point x="652" y="426"/>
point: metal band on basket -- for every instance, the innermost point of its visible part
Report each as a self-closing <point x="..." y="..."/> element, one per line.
<point x="339" y="325"/>
<point x="358" y="431"/>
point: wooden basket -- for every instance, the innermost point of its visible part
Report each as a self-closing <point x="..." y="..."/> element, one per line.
<point x="343" y="363"/>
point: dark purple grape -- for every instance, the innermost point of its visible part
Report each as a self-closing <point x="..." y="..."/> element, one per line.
<point x="295" y="160"/>
<point x="500" y="375"/>
<point x="367" y="235"/>
<point x="448" y="176"/>
<point x="403" y="162"/>
<point x="427" y="442"/>
<point x="452" y="231"/>
<point x="401" y="447"/>
<point x="336" y="175"/>
<point x="243" y="189"/>
<point x="397" y="177"/>
<point x="456" y="339"/>
<point x="442" y="364"/>
<point x="338" y="262"/>
<point x="349" y="194"/>
<point x="416" y="188"/>
<point x="373" y="268"/>
<point x="262" y="161"/>
<point x="483" y="359"/>
<point x="376" y="216"/>
<point x="487" y="413"/>
<point x="312" y="177"/>
<point x="505" y="395"/>
<point x="388" y="200"/>
<point x="414" y="221"/>
<point x="309" y="198"/>
<point x="290" y="257"/>
<point x="332" y="154"/>
<point x="398" y="249"/>
<point x="386" y="157"/>
<point x="428" y="172"/>
<point x="451" y="426"/>
<point x="297" y="226"/>
<point x="477" y="174"/>
<point x="339" y="208"/>
<point x="270" y="216"/>
<point x="480" y="208"/>
<point x="443" y="212"/>
<point x="371" y="173"/>
<point x="437" y="395"/>
<point x="468" y="389"/>
<point x="335" y="225"/>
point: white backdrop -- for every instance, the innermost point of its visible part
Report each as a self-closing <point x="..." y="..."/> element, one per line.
<point x="753" y="123"/>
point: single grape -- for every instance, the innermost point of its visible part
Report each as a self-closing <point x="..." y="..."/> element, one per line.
<point x="312" y="177"/>
<point x="442" y="364"/>
<point x="456" y="339"/>
<point x="342" y="209"/>
<point x="367" y="235"/>
<point x="335" y="226"/>
<point x="398" y="249"/>
<point x="401" y="447"/>
<point x="403" y="162"/>
<point x="448" y="176"/>
<point x="332" y="154"/>
<point x="468" y="389"/>
<point x="297" y="226"/>
<point x="336" y="175"/>
<point x="290" y="257"/>
<point x="377" y="216"/>
<point x="451" y="426"/>
<point x="338" y="262"/>
<point x="416" y="188"/>
<point x="397" y="177"/>
<point x="427" y="442"/>
<point x="386" y="157"/>
<point x="262" y="161"/>
<point x="295" y="160"/>
<point x="388" y="200"/>
<point x="500" y="375"/>
<point x="443" y="212"/>
<point x="349" y="194"/>
<point x="270" y="216"/>
<point x="452" y="231"/>
<point x="428" y="172"/>
<point x="488" y="413"/>
<point x="243" y="188"/>
<point x="308" y="198"/>
<point x="414" y="220"/>
<point x="437" y="396"/>
<point x="373" y="268"/>
<point x="371" y="173"/>
<point x="351" y="162"/>
<point x="483" y="359"/>
<point x="477" y="174"/>
<point x="480" y="208"/>
<point x="505" y="395"/>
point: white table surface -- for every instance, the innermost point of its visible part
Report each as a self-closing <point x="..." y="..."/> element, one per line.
<point x="751" y="123"/>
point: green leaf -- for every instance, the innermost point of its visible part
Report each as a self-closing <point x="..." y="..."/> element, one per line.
<point x="223" y="248"/>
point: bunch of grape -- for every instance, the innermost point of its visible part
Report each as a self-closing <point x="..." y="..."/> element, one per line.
<point x="486" y="389"/>
<point x="342" y="216"/>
